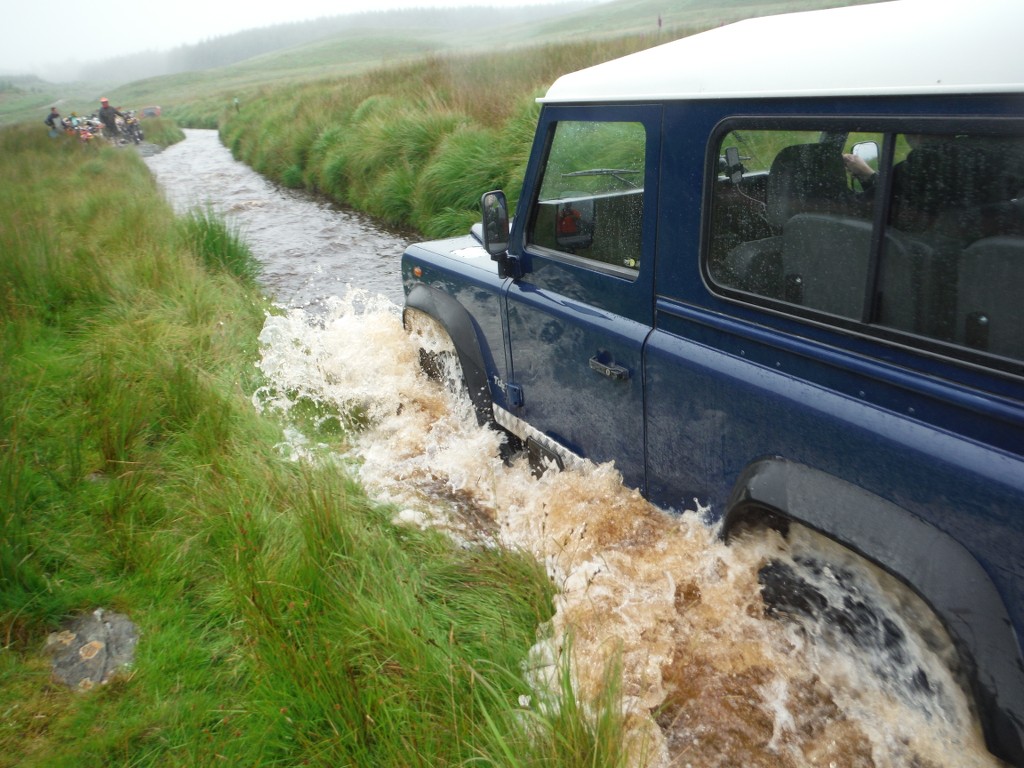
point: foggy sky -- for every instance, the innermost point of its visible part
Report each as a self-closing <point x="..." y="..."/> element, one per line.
<point x="54" y="37"/>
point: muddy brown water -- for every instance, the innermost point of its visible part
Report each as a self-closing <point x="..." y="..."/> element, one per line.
<point x="707" y="679"/>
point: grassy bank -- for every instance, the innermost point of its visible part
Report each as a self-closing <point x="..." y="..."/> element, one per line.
<point x="283" y="619"/>
<point x="159" y="130"/>
<point x="414" y="145"/>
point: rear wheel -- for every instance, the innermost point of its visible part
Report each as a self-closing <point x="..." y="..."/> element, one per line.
<point x="842" y="605"/>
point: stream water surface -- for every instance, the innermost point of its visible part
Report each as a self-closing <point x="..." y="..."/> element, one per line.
<point x="708" y="680"/>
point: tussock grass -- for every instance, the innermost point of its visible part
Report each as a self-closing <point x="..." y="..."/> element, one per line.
<point x="284" y="619"/>
<point x="218" y="246"/>
<point x="162" y="131"/>
<point x="415" y="144"/>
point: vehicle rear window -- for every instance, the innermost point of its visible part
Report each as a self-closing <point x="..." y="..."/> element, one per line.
<point x="918" y="233"/>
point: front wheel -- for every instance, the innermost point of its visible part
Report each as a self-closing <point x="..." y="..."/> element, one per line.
<point x="439" y="360"/>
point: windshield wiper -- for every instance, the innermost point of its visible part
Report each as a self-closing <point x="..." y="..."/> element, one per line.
<point x="614" y="172"/>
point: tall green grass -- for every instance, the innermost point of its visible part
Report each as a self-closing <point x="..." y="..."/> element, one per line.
<point x="218" y="245"/>
<point x="284" y="619"/>
<point x="416" y="144"/>
<point x="162" y="131"/>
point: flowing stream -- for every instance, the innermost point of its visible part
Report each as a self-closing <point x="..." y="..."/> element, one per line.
<point x="310" y="250"/>
<point x="707" y="679"/>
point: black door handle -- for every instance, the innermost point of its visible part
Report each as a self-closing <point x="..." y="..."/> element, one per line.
<point x="612" y="371"/>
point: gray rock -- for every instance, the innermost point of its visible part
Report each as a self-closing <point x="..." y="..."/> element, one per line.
<point x="91" y="649"/>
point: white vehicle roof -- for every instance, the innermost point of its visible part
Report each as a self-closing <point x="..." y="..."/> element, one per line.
<point x="899" y="47"/>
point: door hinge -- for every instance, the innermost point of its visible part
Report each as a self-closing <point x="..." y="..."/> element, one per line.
<point x="513" y="267"/>
<point x="514" y="395"/>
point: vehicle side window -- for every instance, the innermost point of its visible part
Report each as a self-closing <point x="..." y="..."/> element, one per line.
<point x="786" y="222"/>
<point x="796" y="219"/>
<point x="590" y="204"/>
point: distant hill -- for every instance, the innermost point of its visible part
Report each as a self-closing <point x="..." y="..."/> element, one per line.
<point x="231" y="49"/>
<point x="351" y="44"/>
<point x="20" y="83"/>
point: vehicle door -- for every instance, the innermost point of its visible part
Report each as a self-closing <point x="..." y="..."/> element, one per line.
<point x="580" y="309"/>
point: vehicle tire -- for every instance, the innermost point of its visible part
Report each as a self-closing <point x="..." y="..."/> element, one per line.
<point x="438" y="357"/>
<point x="439" y="360"/>
<point x="842" y="604"/>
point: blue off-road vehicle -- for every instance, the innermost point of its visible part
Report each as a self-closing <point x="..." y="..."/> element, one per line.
<point x="784" y="277"/>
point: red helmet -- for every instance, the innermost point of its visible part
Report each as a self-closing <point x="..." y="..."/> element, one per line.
<point x="104" y="100"/>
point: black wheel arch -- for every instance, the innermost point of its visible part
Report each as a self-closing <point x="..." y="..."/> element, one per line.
<point x="459" y="325"/>
<point x="932" y="563"/>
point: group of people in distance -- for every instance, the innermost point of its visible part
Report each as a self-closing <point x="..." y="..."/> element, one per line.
<point x="107" y="115"/>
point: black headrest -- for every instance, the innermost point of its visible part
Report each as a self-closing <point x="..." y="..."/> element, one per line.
<point x="805" y="178"/>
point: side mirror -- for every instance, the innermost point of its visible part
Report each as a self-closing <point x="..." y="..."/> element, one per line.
<point x="494" y="206"/>
<point x="866" y="151"/>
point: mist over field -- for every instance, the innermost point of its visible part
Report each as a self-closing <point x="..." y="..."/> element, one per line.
<point x="452" y="25"/>
<point x="119" y="57"/>
<point x="56" y="40"/>
<point x="133" y="71"/>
